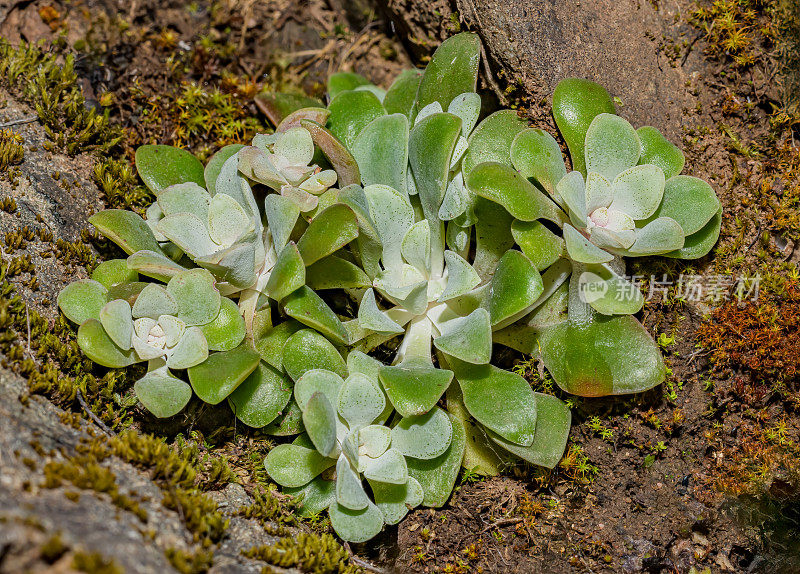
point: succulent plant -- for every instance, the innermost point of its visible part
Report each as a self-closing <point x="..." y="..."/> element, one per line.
<point x="395" y="221"/>
<point x="344" y="429"/>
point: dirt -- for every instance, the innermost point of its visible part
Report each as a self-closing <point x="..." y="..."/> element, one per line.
<point x="687" y="476"/>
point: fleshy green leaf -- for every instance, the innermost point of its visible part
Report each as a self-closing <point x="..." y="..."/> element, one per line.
<point x="329" y="231"/>
<point x="113" y="272"/>
<point x="425" y="436"/>
<point x="160" y="166"/>
<point x="153" y="302"/>
<point x="535" y="153"/>
<point x="116" y="320"/>
<point x="700" y="243"/>
<point x="361" y="400"/>
<point x="351" y="112"/>
<point x="289" y="422"/>
<point x="576" y="102"/>
<point x="414" y="390"/>
<point x="335" y="273"/>
<point x="392" y="215"/>
<point x="488" y="392"/>
<point x="162" y="394"/>
<point x="343" y="82"/>
<point x="185" y="198"/>
<point x="491" y="140"/>
<point x="430" y="148"/>
<point x="227" y="220"/>
<point x="338" y="155"/>
<point x="416" y="246"/>
<point x="317" y="381"/>
<point x="453" y="70"/>
<point x="638" y="191"/>
<point x="219" y="375"/>
<point x="402" y="93"/>
<point x="461" y="276"/>
<point x="291" y="465"/>
<point x="191" y="350"/>
<point x="612" y="146"/>
<point x="661" y="235"/>
<point x="349" y="492"/>
<point x="319" y="420"/>
<point x="515" y="286"/>
<point x="308" y="308"/>
<point x="215" y="164"/>
<point x="371" y="317"/>
<point x="438" y="475"/>
<point x="390" y="468"/>
<point x="538" y="243"/>
<point x="492" y="235"/>
<point x="154" y="265"/>
<point x="609" y="293"/>
<point x="381" y="150"/>
<point x="288" y="275"/>
<point x="604" y="356"/>
<point x="99" y="347"/>
<point x="581" y="249"/>
<point x="262" y="396"/>
<point x="306" y="350"/>
<point x="356" y="525"/>
<point x="82" y="300"/>
<point x="197" y="297"/>
<point x="125" y="228"/>
<point x="188" y="232"/>
<point x="504" y="185"/>
<point x="468" y="338"/>
<point x="227" y="330"/>
<point x="658" y="150"/>
<point x="553" y="420"/>
<point x="394" y="500"/>
<point x="314" y="497"/>
<point x="293" y="120"/>
<point x="689" y="201"/>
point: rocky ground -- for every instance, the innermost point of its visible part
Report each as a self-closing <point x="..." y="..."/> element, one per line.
<point x="700" y="474"/>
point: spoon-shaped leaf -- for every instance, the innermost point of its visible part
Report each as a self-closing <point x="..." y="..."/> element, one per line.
<point x="333" y="272"/>
<point x="338" y="155"/>
<point x="430" y="148"/>
<point x="488" y="392"/>
<point x="343" y="82"/>
<point x="581" y="249"/>
<point x="277" y="106"/>
<point x="538" y="243"/>
<point x="315" y="381"/>
<point x="162" y="394"/>
<point x="293" y="465"/>
<point x="516" y="284"/>
<point x="319" y="420"/>
<point x="381" y="150"/>
<point x="82" y="300"/>
<point x="356" y="525"/>
<point x="698" y="244"/>
<point x="154" y="265"/>
<point x="191" y="350"/>
<point x="288" y="275"/>
<point x="293" y="120"/>
<point x="424" y="436"/>
<point x="125" y="228"/>
<point x="288" y="423"/>
<point x="306" y="350"/>
<point x="351" y="112"/>
<point x="314" y="497"/>
<point x="227" y="330"/>
<point x="160" y="166"/>
<point x="262" y="396"/>
<point x="400" y="97"/>
<point x="492" y="139"/>
<point x="153" y="302"/>
<point x="553" y="421"/>
<point x="468" y="338"/>
<point x="504" y="185"/>
<point x="361" y="400"/>
<point x="438" y="475"/>
<point x="688" y="200"/>
<point x="535" y="153"/>
<point x="414" y="390"/>
<point x="349" y="492"/>
<point x="612" y="146"/>
<point x="390" y="467"/>
<point x="604" y="356"/>
<point x="219" y="375"/>
<point x="453" y="70"/>
<point x="371" y="317"/>
<point x="394" y="500"/>
<point x="461" y="276"/>
<point x="308" y="308"/>
<point x="116" y="319"/>
<point x="661" y="235"/>
<point x="576" y="102"/>
<point x="98" y="346"/>
<point x="658" y="150"/>
<point x="214" y="165"/>
<point x="329" y="231"/>
<point x="113" y="272"/>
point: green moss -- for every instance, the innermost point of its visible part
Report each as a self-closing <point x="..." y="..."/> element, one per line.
<point x="95" y="563"/>
<point x="316" y="554"/>
<point x="190" y="562"/>
<point x="52" y="550"/>
<point x="120" y="185"/>
<point x="11" y="150"/>
<point x="271" y="507"/>
<point x="47" y="83"/>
